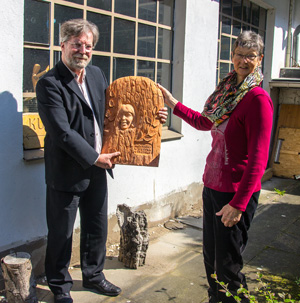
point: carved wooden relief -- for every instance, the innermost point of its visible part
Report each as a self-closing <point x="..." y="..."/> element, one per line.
<point x="131" y="124"/>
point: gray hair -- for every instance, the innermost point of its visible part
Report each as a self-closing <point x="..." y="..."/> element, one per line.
<point x="249" y="39"/>
<point x="75" y="27"/>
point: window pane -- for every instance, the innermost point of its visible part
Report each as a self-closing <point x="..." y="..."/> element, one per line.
<point x="164" y="78"/>
<point x="102" y="4"/>
<point x="255" y="14"/>
<point x="164" y="50"/>
<point x="246" y="15"/>
<point x="262" y="18"/>
<point x="125" y="7"/>
<point x="164" y="74"/>
<point x="232" y="42"/>
<point x="124" y="34"/>
<point x="236" y="29"/>
<point x="146" y="41"/>
<point x="146" y="69"/>
<point x="237" y="9"/>
<point x="36" y="22"/>
<point x="57" y="57"/>
<point x="254" y="29"/>
<point x="225" y="48"/>
<point x="62" y="14"/>
<point x="104" y="25"/>
<point x="246" y="11"/>
<point x="75" y="1"/>
<point x="226" y="25"/>
<point x="35" y="63"/>
<point x="262" y="34"/>
<point x="227" y="7"/>
<point x="147" y="10"/>
<point x="166" y="12"/>
<point x="245" y="27"/>
<point x="30" y="105"/>
<point x="224" y="70"/>
<point x="102" y="62"/>
<point x="122" y="68"/>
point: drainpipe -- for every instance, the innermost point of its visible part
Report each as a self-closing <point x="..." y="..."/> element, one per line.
<point x="289" y="37"/>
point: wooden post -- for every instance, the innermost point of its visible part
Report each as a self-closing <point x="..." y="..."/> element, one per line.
<point x="134" y="237"/>
<point x="18" y="277"/>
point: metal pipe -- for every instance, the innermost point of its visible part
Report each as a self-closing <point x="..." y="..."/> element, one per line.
<point x="277" y="151"/>
<point x="289" y="37"/>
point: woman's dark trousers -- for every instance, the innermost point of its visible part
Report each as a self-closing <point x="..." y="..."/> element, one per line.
<point x="223" y="246"/>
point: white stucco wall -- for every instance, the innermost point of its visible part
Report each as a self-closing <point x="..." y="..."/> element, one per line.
<point x="22" y="189"/>
<point x="182" y="161"/>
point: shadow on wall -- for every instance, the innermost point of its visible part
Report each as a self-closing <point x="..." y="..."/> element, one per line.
<point x="10" y="126"/>
<point x="22" y="190"/>
<point x="30" y="138"/>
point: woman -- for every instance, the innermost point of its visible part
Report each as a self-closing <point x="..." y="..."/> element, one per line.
<point x="239" y="116"/>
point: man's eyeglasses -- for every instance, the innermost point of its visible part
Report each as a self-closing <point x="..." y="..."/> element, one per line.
<point x="78" y="45"/>
<point x="247" y="57"/>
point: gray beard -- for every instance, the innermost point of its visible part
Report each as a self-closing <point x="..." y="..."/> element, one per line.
<point x="77" y="65"/>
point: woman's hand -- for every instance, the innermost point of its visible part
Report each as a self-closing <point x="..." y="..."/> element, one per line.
<point x="104" y="160"/>
<point x="163" y="115"/>
<point x="230" y="215"/>
<point x="168" y="98"/>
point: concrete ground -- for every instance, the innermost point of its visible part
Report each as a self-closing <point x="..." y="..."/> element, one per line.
<point x="174" y="270"/>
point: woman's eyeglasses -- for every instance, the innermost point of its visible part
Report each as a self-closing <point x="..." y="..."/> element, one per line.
<point x="245" y="57"/>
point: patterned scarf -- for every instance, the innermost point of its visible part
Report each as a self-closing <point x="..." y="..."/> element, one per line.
<point x="221" y="103"/>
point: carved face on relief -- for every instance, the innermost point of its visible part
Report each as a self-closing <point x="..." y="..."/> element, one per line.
<point x="126" y="116"/>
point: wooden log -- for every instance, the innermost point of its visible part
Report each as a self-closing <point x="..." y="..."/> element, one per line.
<point x="18" y="277"/>
<point x="134" y="237"/>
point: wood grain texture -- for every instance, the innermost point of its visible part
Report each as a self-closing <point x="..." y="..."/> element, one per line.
<point x="18" y="277"/>
<point x="288" y="165"/>
<point x="131" y="124"/>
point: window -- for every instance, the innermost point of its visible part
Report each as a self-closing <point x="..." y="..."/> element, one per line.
<point x="135" y="39"/>
<point x="236" y="16"/>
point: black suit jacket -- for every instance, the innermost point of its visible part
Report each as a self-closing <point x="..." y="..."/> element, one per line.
<point x="69" y="124"/>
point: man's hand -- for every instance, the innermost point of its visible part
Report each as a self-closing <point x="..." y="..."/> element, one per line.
<point x="163" y="115"/>
<point x="104" y="160"/>
<point x="230" y="215"/>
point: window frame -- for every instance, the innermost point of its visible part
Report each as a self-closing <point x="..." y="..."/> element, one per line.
<point x="261" y="29"/>
<point x="55" y="49"/>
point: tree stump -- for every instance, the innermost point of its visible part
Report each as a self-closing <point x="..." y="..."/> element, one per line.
<point x="134" y="237"/>
<point x="18" y="277"/>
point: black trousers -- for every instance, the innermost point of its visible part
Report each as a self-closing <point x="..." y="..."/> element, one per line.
<point x="61" y="214"/>
<point x="223" y="246"/>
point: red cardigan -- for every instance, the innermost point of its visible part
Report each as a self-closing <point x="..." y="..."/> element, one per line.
<point x="240" y="146"/>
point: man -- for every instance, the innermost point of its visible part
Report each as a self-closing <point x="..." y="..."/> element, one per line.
<point x="71" y="103"/>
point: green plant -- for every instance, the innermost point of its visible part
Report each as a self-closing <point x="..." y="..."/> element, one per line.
<point x="279" y="192"/>
<point x="263" y="290"/>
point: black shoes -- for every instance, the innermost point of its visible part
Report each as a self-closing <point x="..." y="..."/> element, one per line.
<point x="63" y="298"/>
<point x="103" y="287"/>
